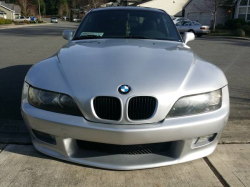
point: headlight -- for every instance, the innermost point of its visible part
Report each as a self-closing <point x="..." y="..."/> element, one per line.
<point x="52" y="101"/>
<point x="197" y="104"/>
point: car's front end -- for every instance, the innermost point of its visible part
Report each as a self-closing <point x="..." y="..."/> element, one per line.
<point x="125" y="147"/>
<point x="125" y="103"/>
<point x="54" y="20"/>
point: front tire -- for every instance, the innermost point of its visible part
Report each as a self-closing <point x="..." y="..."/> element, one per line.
<point x="192" y="31"/>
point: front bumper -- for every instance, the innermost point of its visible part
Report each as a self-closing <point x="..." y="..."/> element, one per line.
<point x="182" y="131"/>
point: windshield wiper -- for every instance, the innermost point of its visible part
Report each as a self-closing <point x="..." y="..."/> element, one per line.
<point x="137" y="37"/>
<point x="87" y="37"/>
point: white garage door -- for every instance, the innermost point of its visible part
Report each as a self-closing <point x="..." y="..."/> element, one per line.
<point x="205" y="18"/>
<point x="193" y="16"/>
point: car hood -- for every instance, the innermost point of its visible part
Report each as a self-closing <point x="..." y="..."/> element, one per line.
<point x="149" y="67"/>
<point x="165" y="70"/>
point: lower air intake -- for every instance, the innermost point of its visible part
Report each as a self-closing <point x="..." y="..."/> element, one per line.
<point x="124" y="149"/>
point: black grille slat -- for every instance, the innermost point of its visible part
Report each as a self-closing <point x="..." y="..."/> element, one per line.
<point x="124" y="149"/>
<point x="141" y="108"/>
<point x="108" y="108"/>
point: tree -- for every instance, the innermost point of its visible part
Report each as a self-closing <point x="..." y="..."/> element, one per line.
<point x="64" y="9"/>
<point x="24" y="6"/>
<point x="211" y="6"/>
<point x="52" y="6"/>
<point x="96" y="3"/>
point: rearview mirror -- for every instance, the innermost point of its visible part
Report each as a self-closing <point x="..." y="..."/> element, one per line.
<point x="188" y="36"/>
<point x="67" y="35"/>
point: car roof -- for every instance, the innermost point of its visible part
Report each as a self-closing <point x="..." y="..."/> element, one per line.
<point x="128" y="8"/>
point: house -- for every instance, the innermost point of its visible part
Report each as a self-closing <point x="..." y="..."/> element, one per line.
<point x="172" y="7"/>
<point x="198" y="10"/>
<point x="9" y="11"/>
<point x="242" y="9"/>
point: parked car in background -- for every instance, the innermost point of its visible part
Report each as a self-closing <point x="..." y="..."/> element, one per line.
<point x="192" y="26"/>
<point x="65" y="18"/>
<point x="54" y="20"/>
<point x="178" y="19"/>
<point x="27" y="18"/>
<point x="33" y="19"/>
<point x="20" y="18"/>
<point x="77" y="20"/>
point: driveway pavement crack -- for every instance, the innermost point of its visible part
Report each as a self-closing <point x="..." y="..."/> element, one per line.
<point x="216" y="173"/>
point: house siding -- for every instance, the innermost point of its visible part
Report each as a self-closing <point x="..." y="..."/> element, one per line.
<point x="9" y="13"/>
<point x="222" y="14"/>
<point x="172" y="7"/>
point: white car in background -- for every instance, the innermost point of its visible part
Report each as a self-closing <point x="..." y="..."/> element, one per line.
<point x="20" y="18"/>
<point x="54" y="20"/>
<point x="77" y="20"/>
<point x="192" y="26"/>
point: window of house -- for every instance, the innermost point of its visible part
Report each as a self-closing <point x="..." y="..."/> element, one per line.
<point x="248" y="14"/>
<point x="244" y="10"/>
<point x="243" y="2"/>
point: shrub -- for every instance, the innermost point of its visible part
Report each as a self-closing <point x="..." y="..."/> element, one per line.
<point x="220" y="26"/>
<point x="40" y="21"/>
<point x="8" y="21"/>
<point x="235" y="24"/>
<point x="19" y="22"/>
<point x="240" y="33"/>
<point x="238" y="23"/>
<point x="248" y="23"/>
<point x="2" y="21"/>
<point x="246" y="28"/>
<point x="5" y="21"/>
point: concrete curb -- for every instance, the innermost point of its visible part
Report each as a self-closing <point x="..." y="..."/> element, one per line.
<point x="20" y="26"/>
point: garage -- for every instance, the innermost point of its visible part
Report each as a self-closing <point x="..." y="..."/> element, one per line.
<point x="193" y="16"/>
<point x="205" y="18"/>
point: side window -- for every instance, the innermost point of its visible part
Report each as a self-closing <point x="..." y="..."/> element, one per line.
<point x="179" y="23"/>
<point x="187" y="24"/>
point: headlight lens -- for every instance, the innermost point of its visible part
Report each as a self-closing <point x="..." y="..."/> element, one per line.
<point x="197" y="104"/>
<point x="52" y="101"/>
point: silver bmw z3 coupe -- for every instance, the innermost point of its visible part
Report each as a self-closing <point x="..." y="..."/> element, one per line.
<point x="125" y="93"/>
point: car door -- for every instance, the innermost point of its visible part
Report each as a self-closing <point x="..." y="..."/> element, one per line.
<point x="179" y="26"/>
<point x="186" y="26"/>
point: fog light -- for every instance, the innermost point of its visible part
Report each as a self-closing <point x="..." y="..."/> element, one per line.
<point x="204" y="140"/>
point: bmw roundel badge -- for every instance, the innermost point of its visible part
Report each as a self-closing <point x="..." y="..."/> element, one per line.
<point x="124" y="89"/>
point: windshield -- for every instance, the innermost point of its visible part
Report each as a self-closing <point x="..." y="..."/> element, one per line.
<point x="127" y="24"/>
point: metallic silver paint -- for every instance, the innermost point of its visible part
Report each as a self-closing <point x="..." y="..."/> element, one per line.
<point x="68" y="35"/>
<point x="188" y="36"/>
<point x="161" y="69"/>
<point x="165" y="70"/>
